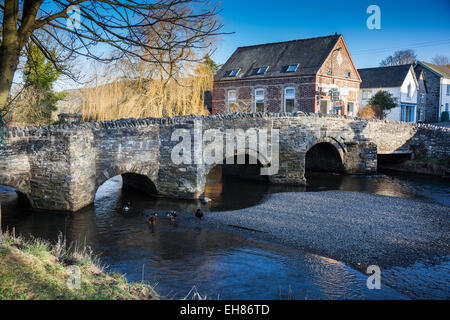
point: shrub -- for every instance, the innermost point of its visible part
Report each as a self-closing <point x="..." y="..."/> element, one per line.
<point x="383" y="101"/>
<point x="35" y="106"/>
<point x="370" y="112"/>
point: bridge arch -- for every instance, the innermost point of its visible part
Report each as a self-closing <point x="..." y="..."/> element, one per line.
<point x="248" y="171"/>
<point x="138" y="177"/>
<point x="325" y="154"/>
<point x="21" y="187"/>
<point x="252" y="157"/>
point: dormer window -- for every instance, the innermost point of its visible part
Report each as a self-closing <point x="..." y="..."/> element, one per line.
<point x="233" y="73"/>
<point x="262" y="70"/>
<point x="292" y="68"/>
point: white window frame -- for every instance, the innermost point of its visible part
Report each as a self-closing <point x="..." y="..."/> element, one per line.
<point x="231" y="71"/>
<point x="263" y="98"/>
<point x="292" y="65"/>
<point x="290" y="96"/>
<point x="260" y="68"/>
<point x="229" y="100"/>
<point x="366" y="93"/>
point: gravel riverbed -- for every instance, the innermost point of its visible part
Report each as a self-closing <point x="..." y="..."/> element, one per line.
<point x="356" y="228"/>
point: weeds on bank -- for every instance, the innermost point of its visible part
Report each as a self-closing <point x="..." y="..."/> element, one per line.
<point x="36" y="269"/>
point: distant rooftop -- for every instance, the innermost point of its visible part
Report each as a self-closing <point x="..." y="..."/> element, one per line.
<point x="443" y="71"/>
<point x="308" y="55"/>
<point x="384" y="77"/>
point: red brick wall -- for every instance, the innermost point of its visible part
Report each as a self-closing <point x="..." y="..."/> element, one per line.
<point x="352" y="94"/>
<point x="341" y="63"/>
<point x="305" y="91"/>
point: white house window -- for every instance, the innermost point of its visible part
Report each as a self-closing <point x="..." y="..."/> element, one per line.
<point x="410" y="93"/>
<point x="289" y="99"/>
<point x="232" y="106"/>
<point x="366" y="94"/>
<point x="447" y="108"/>
<point x="351" y="108"/>
<point x="262" y="70"/>
<point x="448" y="89"/>
<point x="233" y="73"/>
<point x="292" y="68"/>
<point x="347" y="74"/>
<point x="259" y="100"/>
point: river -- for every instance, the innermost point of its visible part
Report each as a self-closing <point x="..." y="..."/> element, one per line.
<point x="180" y="260"/>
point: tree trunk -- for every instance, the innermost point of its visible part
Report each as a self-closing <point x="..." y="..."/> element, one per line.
<point x="9" y="51"/>
<point x="9" y="59"/>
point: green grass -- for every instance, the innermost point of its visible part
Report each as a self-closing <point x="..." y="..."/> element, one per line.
<point x="36" y="270"/>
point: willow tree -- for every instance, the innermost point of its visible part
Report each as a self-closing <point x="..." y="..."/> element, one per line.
<point x="88" y="28"/>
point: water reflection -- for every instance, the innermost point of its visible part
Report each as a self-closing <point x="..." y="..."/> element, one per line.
<point x="247" y="193"/>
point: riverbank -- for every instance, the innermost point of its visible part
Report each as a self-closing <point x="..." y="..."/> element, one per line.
<point x="430" y="167"/>
<point x="36" y="270"/>
<point x="356" y="228"/>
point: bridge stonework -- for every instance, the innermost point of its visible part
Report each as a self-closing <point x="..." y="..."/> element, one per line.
<point x="61" y="167"/>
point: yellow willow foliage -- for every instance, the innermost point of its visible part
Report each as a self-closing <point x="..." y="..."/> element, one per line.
<point x="145" y="98"/>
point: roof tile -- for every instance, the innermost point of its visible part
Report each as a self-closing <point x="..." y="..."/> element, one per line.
<point x="310" y="54"/>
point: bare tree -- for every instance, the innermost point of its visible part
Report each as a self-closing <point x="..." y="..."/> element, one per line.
<point x="86" y="28"/>
<point x="441" y="60"/>
<point x="399" y="58"/>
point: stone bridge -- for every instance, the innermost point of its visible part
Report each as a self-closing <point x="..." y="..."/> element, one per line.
<point x="61" y="167"/>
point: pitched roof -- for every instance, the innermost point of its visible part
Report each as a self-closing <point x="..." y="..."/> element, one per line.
<point x="309" y="54"/>
<point x="384" y="77"/>
<point x="443" y="71"/>
<point x="419" y="73"/>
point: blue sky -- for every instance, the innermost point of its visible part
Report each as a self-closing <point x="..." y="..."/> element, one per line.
<point x="404" y="25"/>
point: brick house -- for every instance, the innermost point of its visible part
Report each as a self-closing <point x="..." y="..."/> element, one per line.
<point x="289" y="76"/>
<point x="438" y="84"/>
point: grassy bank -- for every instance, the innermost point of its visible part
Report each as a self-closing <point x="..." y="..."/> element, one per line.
<point x="37" y="270"/>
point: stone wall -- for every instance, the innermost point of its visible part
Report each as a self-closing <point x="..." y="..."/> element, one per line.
<point x="61" y="167"/>
<point x="433" y="83"/>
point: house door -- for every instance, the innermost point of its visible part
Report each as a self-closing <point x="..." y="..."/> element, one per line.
<point x="408" y="113"/>
<point x="324" y="106"/>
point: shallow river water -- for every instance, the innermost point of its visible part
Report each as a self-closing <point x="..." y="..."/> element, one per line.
<point x="177" y="258"/>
